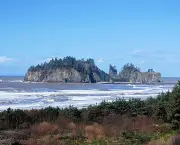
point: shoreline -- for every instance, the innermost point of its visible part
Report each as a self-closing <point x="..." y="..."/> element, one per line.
<point x="103" y="83"/>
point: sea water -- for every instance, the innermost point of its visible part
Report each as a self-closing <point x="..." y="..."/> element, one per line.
<point x="16" y="94"/>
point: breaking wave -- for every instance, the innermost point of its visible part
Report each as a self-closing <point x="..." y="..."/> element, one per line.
<point x="44" y="97"/>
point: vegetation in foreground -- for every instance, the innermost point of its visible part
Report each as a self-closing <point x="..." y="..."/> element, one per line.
<point x="155" y="121"/>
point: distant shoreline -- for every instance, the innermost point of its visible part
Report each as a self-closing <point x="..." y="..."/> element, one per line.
<point x="104" y="83"/>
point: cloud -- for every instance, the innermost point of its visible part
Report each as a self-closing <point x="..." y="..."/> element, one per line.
<point x="137" y="51"/>
<point x="100" y="60"/>
<point x="5" y="59"/>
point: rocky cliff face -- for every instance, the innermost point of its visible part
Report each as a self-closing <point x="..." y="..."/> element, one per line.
<point x="73" y="76"/>
<point x="70" y="70"/>
<point x="130" y="73"/>
<point x="62" y="75"/>
<point x="67" y="70"/>
<point x="145" y="77"/>
<point x="58" y="75"/>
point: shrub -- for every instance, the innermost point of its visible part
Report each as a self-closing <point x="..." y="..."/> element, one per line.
<point x="44" y="129"/>
<point x="134" y="138"/>
<point x="13" y="118"/>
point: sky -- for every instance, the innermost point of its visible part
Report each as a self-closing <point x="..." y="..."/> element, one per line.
<point x="143" y="32"/>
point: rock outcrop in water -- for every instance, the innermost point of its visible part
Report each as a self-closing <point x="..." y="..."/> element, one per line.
<point x="67" y="70"/>
<point x="144" y="77"/>
<point x="70" y="70"/>
<point x="130" y="73"/>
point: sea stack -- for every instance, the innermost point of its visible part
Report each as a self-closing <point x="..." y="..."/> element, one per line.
<point x="67" y="70"/>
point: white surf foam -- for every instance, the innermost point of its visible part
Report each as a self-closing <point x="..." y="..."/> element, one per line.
<point x="50" y="100"/>
<point x="78" y="98"/>
<point x="87" y="98"/>
<point x="22" y="106"/>
<point x="16" y="95"/>
<point x="16" y="81"/>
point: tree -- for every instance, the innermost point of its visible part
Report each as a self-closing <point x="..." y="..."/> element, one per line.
<point x="129" y="72"/>
<point x="175" y="106"/>
<point x="150" y="70"/>
<point x="85" y="67"/>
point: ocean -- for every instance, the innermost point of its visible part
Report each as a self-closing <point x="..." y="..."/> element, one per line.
<point x="16" y="94"/>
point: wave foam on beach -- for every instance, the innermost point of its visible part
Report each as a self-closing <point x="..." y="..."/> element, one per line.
<point x="23" y="99"/>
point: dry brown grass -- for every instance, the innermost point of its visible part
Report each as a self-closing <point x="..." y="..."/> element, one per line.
<point x="72" y="129"/>
<point x="43" y="129"/>
<point x="46" y="140"/>
<point x="174" y="140"/>
<point x="63" y="122"/>
<point x="94" y="131"/>
<point x="160" y="142"/>
<point x="115" y="123"/>
<point x="53" y="133"/>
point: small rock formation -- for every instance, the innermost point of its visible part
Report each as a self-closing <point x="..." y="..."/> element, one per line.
<point x="133" y="74"/>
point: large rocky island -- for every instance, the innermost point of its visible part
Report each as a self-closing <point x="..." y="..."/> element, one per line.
<point x="70" y="70"/>
<point x="67" y="70"/>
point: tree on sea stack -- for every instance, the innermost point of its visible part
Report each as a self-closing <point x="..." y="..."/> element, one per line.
<point x="67" y="70"/>
<point x="112" y="71"/>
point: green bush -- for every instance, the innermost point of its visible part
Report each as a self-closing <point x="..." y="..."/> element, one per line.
<point x="99" y="142"/>
<point x="134" y="138"/>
